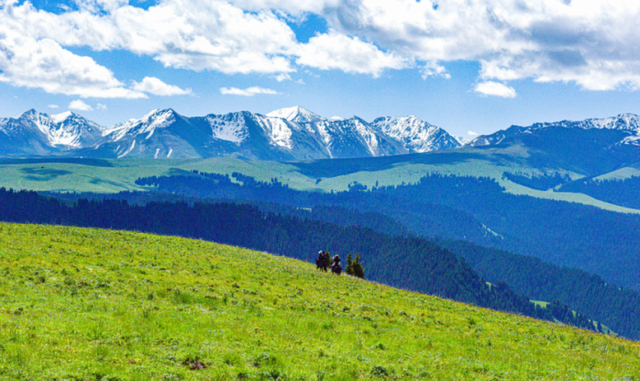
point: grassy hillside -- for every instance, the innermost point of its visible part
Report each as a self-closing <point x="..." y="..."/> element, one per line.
<point x="110" y="176"/>
<point x="85" y="304"/>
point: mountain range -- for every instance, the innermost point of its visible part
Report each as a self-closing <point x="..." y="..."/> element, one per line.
<point x="283" y="135"/>
<point x="286" y="134"/>
<point x="627" y="124"/>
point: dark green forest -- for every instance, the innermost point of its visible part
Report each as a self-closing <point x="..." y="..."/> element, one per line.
<point x="623" y="192"/>
<point x="539" y="182"/>
<point x="466" y="208"/>
<point x="541" y="280"/>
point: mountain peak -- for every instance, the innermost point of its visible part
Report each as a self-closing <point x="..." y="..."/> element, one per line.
<point x="416" y="134"/>
<point x="29" y="113"/>
<point x="296" y="114"/>
<point x="167" y="112"/>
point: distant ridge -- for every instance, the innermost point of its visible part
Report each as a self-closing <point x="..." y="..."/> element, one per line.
<point x="627" y="124"/>
<point x="292" y="133"/>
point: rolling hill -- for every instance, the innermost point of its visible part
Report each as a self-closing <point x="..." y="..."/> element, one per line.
<point x="95" y="304"/>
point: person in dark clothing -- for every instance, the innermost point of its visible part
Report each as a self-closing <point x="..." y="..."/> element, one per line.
<point x="335" y="267"/>
<point x="321" y="261"/>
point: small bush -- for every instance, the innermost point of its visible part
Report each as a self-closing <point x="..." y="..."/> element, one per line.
<point x="379" y="371"/>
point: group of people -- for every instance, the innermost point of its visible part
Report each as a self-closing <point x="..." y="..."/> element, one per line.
<point x="323" y="260"/>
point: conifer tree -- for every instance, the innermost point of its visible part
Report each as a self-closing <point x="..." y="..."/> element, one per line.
<point x="349" y="268"/>
<point x="356" y="267"/>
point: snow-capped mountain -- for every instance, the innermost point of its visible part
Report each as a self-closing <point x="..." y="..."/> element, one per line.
<point x="35" y="133"/>
<point x="415" y="134"/>
<point x="286" y="134"/>
<point x="385" y="136"/>
<point x="628" y="124"/>
<point x="589" y="147"/>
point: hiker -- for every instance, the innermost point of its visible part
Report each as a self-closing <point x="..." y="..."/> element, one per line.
<point x="335" y="267"/>
<point x="321" y="261"/>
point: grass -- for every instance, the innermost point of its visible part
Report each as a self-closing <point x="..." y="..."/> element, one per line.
<point x="88" y="304"/>
<point x="120" y="175"/>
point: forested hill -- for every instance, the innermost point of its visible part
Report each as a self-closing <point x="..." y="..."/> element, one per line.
<point x="466" y="208"/>
<point x="406" y="262"/>
<point x="588" y="293"/>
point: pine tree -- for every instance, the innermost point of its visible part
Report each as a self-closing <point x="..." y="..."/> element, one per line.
<point x="357" y="268"/>
<point x="354" y="268"/>
<point x="349" y="268"/>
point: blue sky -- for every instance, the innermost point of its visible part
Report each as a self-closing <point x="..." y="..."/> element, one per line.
<point x="468" y="66"/>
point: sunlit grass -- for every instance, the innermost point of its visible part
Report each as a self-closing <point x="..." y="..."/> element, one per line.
<point x="88" y="304"/>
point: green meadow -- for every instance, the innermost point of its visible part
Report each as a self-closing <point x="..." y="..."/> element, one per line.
<point x="117" y="175"/>
<point x="89" y="304"/>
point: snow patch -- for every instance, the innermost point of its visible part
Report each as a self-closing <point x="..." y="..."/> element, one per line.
<point x="133" y="144"/>
<point x="233" y="130"/>
<point x="278" y="130"/>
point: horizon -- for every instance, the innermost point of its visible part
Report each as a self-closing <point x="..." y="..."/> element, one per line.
<point x="58" y="116"/>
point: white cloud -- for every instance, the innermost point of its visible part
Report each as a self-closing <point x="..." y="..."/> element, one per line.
<point x="100" y="5"/>
<point x="155" y="86"/>
<point x="496" y="89"/>
<point x="100" y="106"/>
<point x="27" y="62"/>
<point x="283" y="77"/>
<point x="248" y="92"/>
<point x="337" y="51"/>
<point x="52" y="106"/>
<point x="293" y="7"/>
<point x="79" y="105"/>
<point x="590" y="43"/>
<point x="472" y="133"/>
<point x="433" y="69"/>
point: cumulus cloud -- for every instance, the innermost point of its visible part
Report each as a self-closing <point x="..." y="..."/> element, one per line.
<point x="589" y="43"/>
<point x="337" y="51"/>
<point x="496" y="89"/>
<point x="292" y="7"/>
<point x="155" y="86"/>
<point x="283" y="77"/>
<point x="79" y="105"/>
<point x="433" y="69"/>
<point x="27" y="62"/>
<point x="248" y="92"/>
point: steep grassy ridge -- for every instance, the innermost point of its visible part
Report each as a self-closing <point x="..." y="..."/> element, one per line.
<point x="85" y="304"/>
